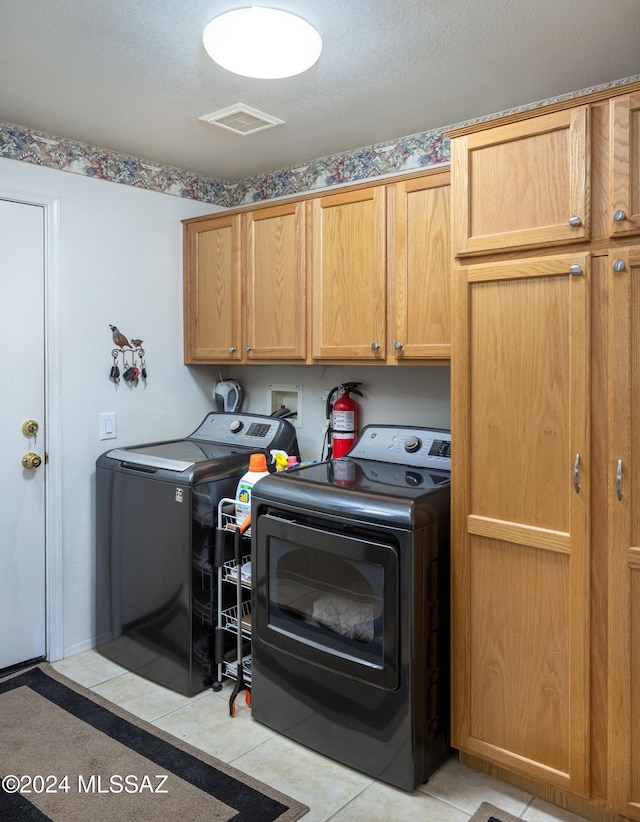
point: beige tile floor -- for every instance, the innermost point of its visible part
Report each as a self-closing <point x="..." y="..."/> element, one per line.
<point x="332" y="791"/>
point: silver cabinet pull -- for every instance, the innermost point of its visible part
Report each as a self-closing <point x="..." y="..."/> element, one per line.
<point x="398" y="346"/>
<point x="247" y="348"/>
<point x="576" y="474"/>
<point x="575" y="271"/>
<point x="619" y="480"/>
<point x="375" y="346"/>
<point x="574" y="222"/>
<point x="618" y="265"/>
<point x="232" y="349"/>
<point x="619" y="215"/>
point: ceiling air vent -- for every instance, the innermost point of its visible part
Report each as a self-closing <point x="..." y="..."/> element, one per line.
<point x="241" y="119"/>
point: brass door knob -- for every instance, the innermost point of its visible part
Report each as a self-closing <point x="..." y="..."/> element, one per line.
<point x="30" y="428"/>
<point x="31" y="461"/>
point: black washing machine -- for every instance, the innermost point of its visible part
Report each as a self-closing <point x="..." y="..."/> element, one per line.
<point x="156" y="512"/>
<point x="350" y="612"/>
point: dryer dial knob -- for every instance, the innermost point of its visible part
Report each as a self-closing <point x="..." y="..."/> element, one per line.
<point x="412" y="444"/>
<point x="235" y="426"/>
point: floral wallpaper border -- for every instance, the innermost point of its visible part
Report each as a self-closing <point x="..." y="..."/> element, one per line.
<point x="397" y="156"/>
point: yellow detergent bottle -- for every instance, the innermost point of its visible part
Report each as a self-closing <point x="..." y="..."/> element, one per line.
<point x="257" y="470"/>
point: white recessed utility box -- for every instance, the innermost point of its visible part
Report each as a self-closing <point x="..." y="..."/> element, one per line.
<point x="282" y="397"/>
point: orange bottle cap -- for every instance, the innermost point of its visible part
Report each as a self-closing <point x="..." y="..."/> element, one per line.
<point x="258" y="462"/>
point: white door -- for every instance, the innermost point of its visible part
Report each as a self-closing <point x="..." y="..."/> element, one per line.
<point x="22" y="489"/>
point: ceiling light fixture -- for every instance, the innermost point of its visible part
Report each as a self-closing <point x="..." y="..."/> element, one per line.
<point x="267" y="44"/>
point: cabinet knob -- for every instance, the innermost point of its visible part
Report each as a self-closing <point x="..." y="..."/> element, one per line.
<point x="398" y="346"/>
<point x="232" y="349"/>
<point x="247" y="348"/>
<point x="375" y="346"/>
<point x="619" y="215"/>
<point x="618" y="265"/>
<point x="574" y="222"/>
<point x="575" y="271"/>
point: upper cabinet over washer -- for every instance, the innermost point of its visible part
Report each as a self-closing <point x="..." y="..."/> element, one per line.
<point x="274" y="283"/>
<point x="212" y="307"/>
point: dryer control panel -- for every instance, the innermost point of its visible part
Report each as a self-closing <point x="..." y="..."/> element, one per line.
<point x="405" y="445"/>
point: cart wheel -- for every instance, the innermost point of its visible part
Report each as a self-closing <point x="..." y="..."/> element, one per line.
<point x="216" y="686"/>
<point x="247" y="697"/>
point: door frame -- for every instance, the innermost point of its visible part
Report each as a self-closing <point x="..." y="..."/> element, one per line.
<point x="53" y="413"/>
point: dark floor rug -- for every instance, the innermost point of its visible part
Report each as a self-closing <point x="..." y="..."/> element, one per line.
<point x="489" y="813"/>
<point x="68" y="755"/>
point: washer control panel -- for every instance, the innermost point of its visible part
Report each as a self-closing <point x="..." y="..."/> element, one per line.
<point x="405" y="445"/>
<point x="240" y="429"/>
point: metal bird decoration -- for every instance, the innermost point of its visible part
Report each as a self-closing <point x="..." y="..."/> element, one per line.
<point x="119" y="339"/>
<point x="131" y="371"/>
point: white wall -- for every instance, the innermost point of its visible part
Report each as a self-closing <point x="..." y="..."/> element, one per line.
<point x="404" y="395"/>
<point x="120" y="262"/>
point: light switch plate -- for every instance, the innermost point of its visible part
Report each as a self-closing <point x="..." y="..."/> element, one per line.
<point x="108" y="425"/>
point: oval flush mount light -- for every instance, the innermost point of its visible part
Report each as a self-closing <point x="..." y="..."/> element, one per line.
<point x="267" y="44"/>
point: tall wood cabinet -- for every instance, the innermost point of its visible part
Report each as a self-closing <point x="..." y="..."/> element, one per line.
<point x="623" y="483"/>
<point x="546" y="469"/>
<point x="521" y="561"/>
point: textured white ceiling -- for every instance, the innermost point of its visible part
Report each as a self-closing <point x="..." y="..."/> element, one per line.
<point x="133" y="77"/>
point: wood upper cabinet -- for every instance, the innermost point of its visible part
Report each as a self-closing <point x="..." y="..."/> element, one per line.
<point x="520" y="502"/>
<point x="245" y="286"/>
<point x="349" y="275"/>
<point x="419" y="268"/>
<point x="522" y="184"/>
<point x="624" y="165"/>
<point x="275" y="289"/>
<point x="368" y="270"/>
<point x="212" y="307"/>
<point x="623" y="483"/>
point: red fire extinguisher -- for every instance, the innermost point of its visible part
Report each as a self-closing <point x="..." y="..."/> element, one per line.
<point x="343" y="419"/>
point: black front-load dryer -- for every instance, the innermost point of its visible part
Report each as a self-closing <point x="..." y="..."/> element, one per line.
<point x="350" y="616"/>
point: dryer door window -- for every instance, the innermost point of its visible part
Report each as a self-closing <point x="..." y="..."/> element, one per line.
<point x="329" y="597"/>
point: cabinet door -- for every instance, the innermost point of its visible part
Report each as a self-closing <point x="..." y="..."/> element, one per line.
<point x="520" y="555"/>
<point x="349" y="275"/>
<point x="623" y="482"/>
<point x="624" y="167"/>
<point x="420" y="269"/>
<point x="523" y="184"/>
<point x="212" y="290"/>
<point x="275" y="283"/>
